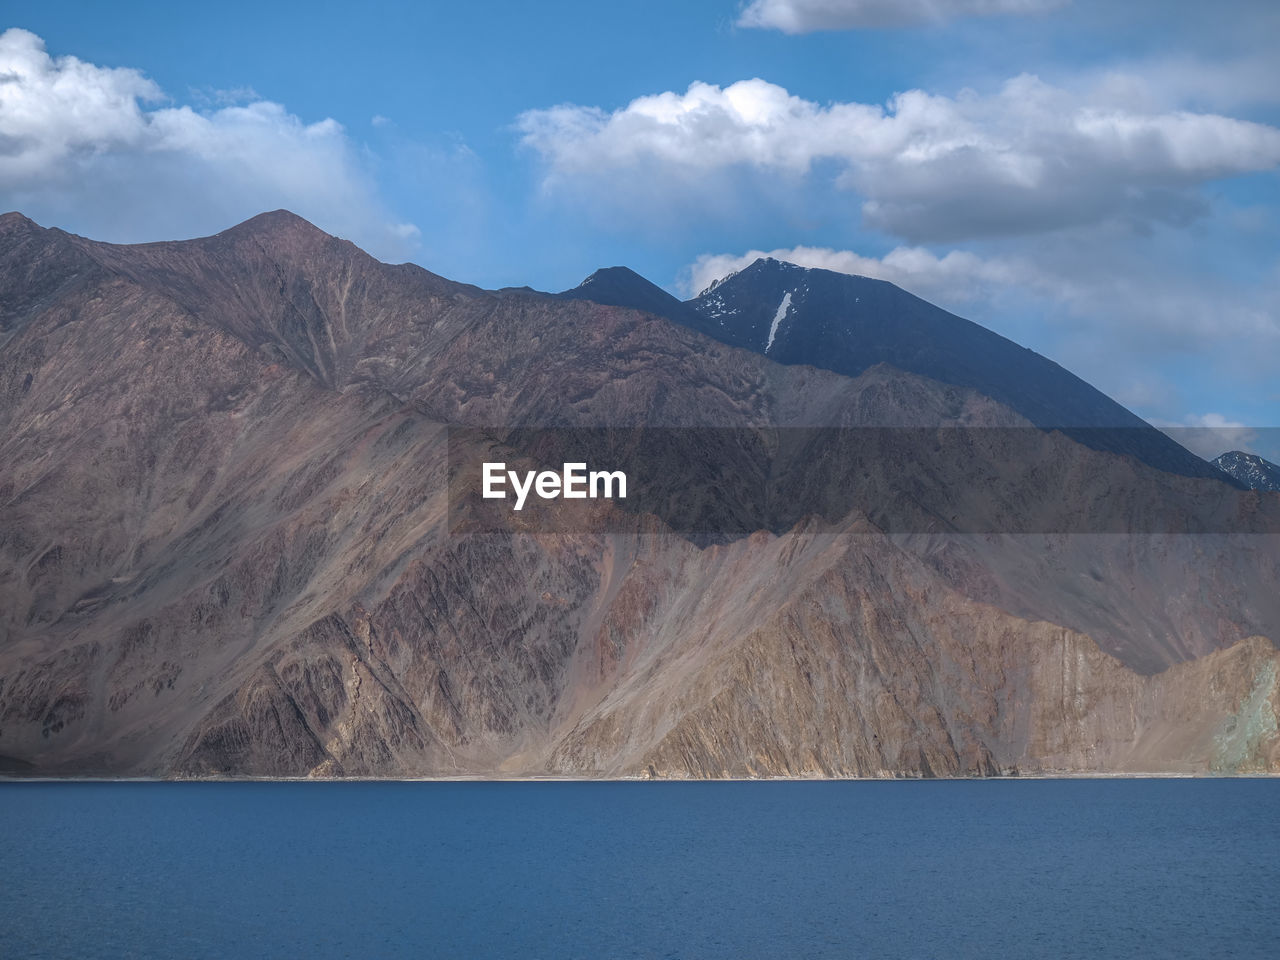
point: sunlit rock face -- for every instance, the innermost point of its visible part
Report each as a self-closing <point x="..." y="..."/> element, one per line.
<point x="227" y="546"/>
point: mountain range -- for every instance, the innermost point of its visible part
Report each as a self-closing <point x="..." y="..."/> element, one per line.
<point x="238" y="536"/>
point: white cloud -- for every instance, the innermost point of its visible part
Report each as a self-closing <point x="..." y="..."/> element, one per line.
<point x="957" y="277"/>
<point x="214" y="97"/>
<point x="1172" y="80"/>
<point x="101" y="150"/>
<point x="50" y="110"/>
<point x="1030" y="157"/>
<point x="806" y="16"/>
<point x="1210" y="434"/>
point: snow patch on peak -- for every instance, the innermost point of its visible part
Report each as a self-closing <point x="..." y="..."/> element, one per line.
<point x="778" y="317"/>
<point x="773" y="263"/>
<point x="716" y="309"/>
<point x="716" y="283"/>
<point x="1253" y="471"/>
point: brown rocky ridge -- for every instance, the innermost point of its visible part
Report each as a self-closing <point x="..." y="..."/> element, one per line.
<point x="227" y="549"/>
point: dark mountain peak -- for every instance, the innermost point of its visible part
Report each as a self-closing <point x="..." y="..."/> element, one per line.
<point x="1255" y="472"/>
<point x="614" y="275"/>
<point x="770" y="304"/>
<point x="761" y="269"/>
<point x="767" y="281"/>
<point x="848" y="323"/>
<point x="771" y="265"/>
<point x="611" y="280"/>
<point x="623" y="287"/>
<point x="770" y="273"/>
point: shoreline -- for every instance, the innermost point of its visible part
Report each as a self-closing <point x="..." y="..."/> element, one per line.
<point x="4" y="779"/>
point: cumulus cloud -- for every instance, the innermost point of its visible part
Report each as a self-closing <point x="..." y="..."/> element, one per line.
<point x="956" y="277"/>
<point x="1167" y="81"/>
<point x="102" y="150"/>
<point x="1030" y="157"/>
<point x="1210" y="434"/>
<point x="807" y="16"/>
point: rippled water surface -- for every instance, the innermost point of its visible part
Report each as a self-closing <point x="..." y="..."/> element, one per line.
<point x="1101" y="868"/>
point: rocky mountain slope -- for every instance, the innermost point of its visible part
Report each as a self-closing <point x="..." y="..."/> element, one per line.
<point x="1251" y="470"/>
<point x="231" y="543"/>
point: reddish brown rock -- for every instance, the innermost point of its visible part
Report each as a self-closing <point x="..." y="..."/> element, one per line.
<point x="225" y="551"/>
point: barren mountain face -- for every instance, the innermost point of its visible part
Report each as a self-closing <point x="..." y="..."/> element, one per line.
<point x="235" y="540"/>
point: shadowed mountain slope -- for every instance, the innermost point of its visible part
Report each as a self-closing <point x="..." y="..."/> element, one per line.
<point x="623" y="287"/>
<point x="848" y="324"/>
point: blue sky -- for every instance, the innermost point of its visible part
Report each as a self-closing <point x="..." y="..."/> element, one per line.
<point x="1097" y="181"/>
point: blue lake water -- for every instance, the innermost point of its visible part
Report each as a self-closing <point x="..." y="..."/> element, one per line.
<point x="945" y="869"/>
